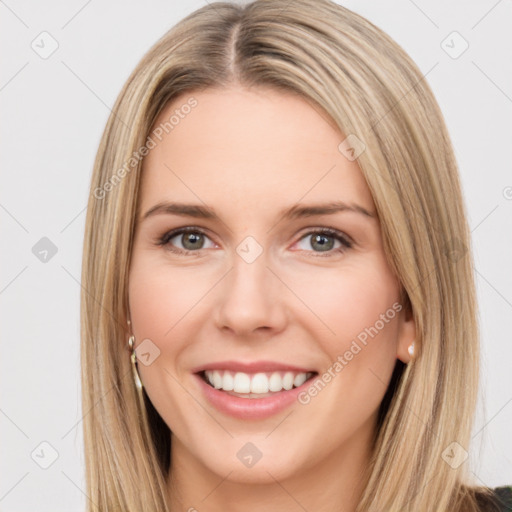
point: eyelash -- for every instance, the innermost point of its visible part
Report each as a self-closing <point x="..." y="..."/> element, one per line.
<point x="163" y="240"/>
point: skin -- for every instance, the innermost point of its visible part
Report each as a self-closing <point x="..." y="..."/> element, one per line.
<point x="248" y="154"/>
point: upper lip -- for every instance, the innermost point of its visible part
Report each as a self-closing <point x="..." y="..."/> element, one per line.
<point x="251" y="367"/>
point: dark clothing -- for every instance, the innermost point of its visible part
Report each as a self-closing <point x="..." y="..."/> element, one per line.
<point x="501" y="502"/>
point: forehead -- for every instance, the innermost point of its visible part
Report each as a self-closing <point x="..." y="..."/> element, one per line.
<point x="252" y="149"/>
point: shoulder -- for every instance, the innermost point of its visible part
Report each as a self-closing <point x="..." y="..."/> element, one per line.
<point x="499" y="500"/>
<point x="504" y="497"/>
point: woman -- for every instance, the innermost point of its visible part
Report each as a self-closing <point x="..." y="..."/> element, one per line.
<point x="278" y="307"/>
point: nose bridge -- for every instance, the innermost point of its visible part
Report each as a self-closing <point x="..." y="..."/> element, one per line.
<point x="250" y="296"/>
<point x="249" y="274"/>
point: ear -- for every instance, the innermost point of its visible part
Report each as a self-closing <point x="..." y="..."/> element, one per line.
<point x="406" y="332"/>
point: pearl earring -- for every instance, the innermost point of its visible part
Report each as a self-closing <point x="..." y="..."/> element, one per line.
<point x="411" y="349"/>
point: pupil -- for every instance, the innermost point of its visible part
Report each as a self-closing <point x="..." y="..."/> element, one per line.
<point x="191" y="238"/>
<point x="321" y="239"/>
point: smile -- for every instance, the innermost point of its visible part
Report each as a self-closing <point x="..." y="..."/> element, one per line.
<point x="251" y="391"/>
<point x="255" y="385"/>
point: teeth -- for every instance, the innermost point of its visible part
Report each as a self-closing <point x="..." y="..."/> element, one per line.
<point x="300" y="378"/>
<point x="217" y="380"/>
<point x="288" y="380"/>
<point x="228" y="382"/>
<point x="259" y="383"/>
<point x="241" y="383"/>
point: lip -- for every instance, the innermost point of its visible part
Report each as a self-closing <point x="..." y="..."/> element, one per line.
<point x="251" y="367"/>
<point x="250" y="408"/>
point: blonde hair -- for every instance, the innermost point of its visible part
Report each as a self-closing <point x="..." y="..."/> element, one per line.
<point x="372" y="90"/>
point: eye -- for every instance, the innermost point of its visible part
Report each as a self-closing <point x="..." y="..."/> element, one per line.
<point x="324" y="241"/>
<point x="191" y="239"/>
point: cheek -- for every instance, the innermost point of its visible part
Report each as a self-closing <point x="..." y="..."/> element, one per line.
<point x="159" y="301"/>
<point x="360" y="307"/>
<point x="162" y="309"/>
<point x="348" y="302"/>
<point x="162" y="298"/>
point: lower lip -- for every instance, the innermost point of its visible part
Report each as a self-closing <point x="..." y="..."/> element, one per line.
<point x="250" y="408"/>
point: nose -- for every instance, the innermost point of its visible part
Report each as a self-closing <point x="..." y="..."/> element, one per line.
<point x="251" y="299"/>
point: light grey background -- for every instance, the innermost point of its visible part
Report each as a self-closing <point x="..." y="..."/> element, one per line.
<point x="54" y="110"/>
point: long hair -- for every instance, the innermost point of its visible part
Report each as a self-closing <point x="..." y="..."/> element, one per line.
<point x="377" y="97"/>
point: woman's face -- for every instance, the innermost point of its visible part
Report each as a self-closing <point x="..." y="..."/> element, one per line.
<point x="257" y="292"/>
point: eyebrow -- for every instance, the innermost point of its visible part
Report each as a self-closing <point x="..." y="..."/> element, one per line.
<point x="295" y="212"/>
